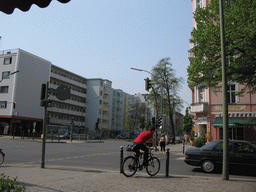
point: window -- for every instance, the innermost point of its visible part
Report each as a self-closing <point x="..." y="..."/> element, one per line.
<point x="231" y="93"/>
<point x="202" y="97"/>
<point x="7" y="60"/>
<point x="3" y="104"/>
<point x="4" y="89"/>
<point x="199" y="3"/>
<point x="6" y="75"/>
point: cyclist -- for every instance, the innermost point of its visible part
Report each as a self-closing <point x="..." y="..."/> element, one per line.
<point x="140" y="144"/>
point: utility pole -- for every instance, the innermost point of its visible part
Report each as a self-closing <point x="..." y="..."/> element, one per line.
<point x="44" y="100"/>
<point x="225" y="168"/>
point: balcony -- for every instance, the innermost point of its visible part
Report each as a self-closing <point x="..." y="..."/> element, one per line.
<point x="104" y="117"/>
<point x="106" y="109"/>
<point x="199" y="108"/>
<point x="104" y="126"/>
<point x="106" y="92"/>
<point x="105" y="100"/>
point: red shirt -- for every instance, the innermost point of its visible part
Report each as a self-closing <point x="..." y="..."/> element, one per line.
<point x="143" y="137"/>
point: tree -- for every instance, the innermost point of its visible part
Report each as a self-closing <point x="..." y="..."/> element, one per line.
<point x="167" y="86"/>
<point x="240" y="30"/>
<point x="136" y="116"/>
<point x="187" y="123"/>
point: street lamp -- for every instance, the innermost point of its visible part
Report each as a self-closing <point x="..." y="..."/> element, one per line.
<point x="8" y="75"/>
<point x="153" y="92"/>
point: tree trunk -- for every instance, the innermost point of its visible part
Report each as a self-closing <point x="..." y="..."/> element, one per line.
<point x="172" y="124"/>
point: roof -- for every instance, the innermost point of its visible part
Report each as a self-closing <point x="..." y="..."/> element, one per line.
<point x="8" y="6"/>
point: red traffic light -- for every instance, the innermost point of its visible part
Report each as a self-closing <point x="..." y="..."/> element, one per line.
<point x="8" y="6"/>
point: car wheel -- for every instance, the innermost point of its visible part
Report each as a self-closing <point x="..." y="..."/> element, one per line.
<point x="208" y="166"/>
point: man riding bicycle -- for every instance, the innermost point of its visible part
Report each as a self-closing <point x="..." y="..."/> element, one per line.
<point x="140" y="144"/>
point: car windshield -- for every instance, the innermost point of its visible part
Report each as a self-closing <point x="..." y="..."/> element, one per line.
<point x="209" y="146"/>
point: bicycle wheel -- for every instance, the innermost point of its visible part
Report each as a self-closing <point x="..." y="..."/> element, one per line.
<point x="153" y="167"/>
<point x="1" y="157"/>
<point x="129" y="166"/>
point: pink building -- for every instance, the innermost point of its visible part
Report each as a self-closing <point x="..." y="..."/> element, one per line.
<point x="208" y="112"/>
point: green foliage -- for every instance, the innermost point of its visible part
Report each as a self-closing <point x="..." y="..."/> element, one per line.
<point x="166" y="87"/>
<point x="200" y="141"/>
<point x="148" y="124"/>
<point x="7" y="184"/>
<point x="187" y="123"/>
<point x="136" y="116"/>
<point x="240" y="41"/>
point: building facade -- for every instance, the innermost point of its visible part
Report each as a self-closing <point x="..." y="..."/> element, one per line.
<point x="208" y="111"/>
<point x="20" y="93"/>
<point x="90" y="100"/>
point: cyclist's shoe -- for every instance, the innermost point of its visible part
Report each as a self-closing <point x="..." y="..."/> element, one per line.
<point x="145" y="163"/>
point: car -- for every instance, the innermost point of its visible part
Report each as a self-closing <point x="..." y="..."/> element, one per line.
<point x="211" y="155"/>
<point x="66" y="135"/>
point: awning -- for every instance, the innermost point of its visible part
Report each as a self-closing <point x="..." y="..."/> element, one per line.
<point x="219" y="123"/>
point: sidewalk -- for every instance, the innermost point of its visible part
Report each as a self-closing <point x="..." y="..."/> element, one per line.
<point x="65" y="179"/>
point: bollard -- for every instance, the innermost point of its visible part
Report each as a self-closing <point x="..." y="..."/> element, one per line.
<point x="121" y="159"/>
<point x="167" y="162"/>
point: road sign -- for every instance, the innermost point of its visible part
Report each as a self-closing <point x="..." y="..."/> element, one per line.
<point x="63" y="93"/>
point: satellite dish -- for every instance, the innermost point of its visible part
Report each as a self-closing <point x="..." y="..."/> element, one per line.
<point x="63" y="93"/>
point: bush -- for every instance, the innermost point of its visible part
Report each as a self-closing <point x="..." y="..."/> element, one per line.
<point x="7" y="184"/>
<point x="199" y="142"/>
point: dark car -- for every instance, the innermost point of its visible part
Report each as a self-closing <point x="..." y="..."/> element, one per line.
<point x="211" y="155"/>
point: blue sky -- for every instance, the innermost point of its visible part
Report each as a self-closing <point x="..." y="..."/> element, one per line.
<point x="104" y="39"/>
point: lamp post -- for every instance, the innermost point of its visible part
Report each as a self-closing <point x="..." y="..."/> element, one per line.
<point x="154" y="96"/>
<point x="9" y="75"/>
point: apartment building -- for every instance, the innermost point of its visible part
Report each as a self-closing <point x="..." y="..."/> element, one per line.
<point x="208" y="111"/>
<point x="90" y="100"/>
<point x="20" y="93"/>
<point x="62" y="113"/>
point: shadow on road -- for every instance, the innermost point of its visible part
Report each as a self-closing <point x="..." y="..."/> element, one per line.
<point x="233" y="170"/>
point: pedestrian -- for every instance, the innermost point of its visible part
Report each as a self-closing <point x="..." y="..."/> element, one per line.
<point x="162" y="143"/>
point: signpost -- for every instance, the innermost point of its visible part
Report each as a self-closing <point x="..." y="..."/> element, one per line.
<point x="34" y="129"/>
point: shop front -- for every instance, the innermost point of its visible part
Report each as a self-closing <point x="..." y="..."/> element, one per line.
<point x="238" y="129"/>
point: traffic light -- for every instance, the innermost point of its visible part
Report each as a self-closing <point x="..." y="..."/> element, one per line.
<point x="147" y="84"/>
<point x="153" y="120"/>
<point x="43" y="91"/>
<point x="160" y="122"/>
<point x="8" y="6"/>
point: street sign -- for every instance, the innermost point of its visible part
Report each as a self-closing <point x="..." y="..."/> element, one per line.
<point x="63" y="93"/>
<point x="34" y="125"/>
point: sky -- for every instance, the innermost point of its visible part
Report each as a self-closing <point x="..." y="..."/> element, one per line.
<point x="105" y="38"/>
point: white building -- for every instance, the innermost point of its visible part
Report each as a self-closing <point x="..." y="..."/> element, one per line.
<point x="20" y="92"/>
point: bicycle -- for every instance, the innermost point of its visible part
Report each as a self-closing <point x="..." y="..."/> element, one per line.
<point x="1" y="156"/>
<point x="132" y="163"/>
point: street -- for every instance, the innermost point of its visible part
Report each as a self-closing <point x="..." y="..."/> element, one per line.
<point x="104" y="156"/>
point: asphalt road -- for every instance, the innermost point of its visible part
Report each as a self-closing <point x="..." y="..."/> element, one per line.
<point x="93" y="156"/>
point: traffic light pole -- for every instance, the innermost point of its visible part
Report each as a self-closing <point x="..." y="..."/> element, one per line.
<point x="44" y="126"/>
<point x="156" y="112"/>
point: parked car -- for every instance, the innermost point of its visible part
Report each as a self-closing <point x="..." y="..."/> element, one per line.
<point x="66" y="135"/>
<point x="211" y="155"/>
